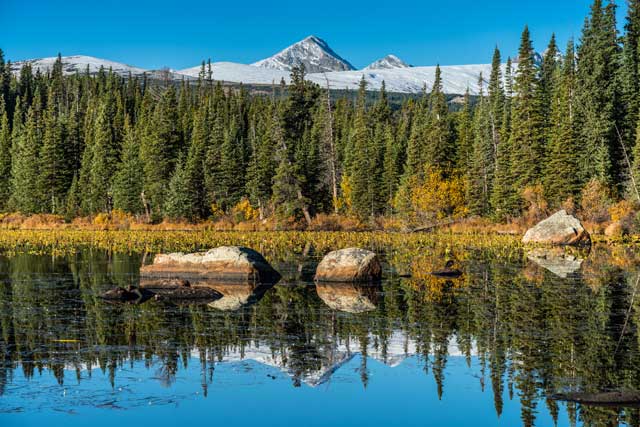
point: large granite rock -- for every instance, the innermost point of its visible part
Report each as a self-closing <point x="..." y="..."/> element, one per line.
<point x="559" y="229"/>
<point x="349" y="297"/>
<point x="226" y="263"/>
<point x="349" y="265"/>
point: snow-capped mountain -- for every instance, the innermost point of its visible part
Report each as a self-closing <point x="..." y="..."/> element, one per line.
<point x="313" y="52"/>
<point x="321" y="62"/>
<point x="386" y="63"/>
<point x="81" y="63"/>
<point x="78" y="64"/>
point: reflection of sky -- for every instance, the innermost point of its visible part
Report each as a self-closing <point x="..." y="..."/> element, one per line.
<point x="244" y="394"/>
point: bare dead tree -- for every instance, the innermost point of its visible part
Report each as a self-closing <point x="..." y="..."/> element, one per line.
<point x="330" y="148"/>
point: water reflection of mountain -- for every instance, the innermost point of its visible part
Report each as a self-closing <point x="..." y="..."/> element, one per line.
<point x="533" y="332"/>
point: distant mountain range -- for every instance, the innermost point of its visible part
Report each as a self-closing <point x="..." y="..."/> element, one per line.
<point x="321" y="62"/>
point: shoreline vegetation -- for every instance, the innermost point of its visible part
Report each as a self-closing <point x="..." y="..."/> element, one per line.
<point x="558" y="132"/>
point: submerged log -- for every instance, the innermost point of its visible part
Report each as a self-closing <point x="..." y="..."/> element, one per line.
<point x="448" y="272"/>
<point x="605" y="399"/>
<point x="132" y="295"/>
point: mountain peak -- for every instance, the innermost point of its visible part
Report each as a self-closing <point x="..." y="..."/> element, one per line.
<point x="388" y="62"/>
<point x="313" y="52"/>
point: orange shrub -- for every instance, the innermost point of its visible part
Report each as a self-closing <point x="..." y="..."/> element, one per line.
<point x="596" y="200"/>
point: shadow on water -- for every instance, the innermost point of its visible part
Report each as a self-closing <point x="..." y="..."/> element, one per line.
<point x="532" y="326"/>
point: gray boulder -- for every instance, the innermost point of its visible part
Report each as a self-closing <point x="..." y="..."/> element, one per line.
<point x="559" y="229"/>
<point x="226" y="263"/>
<point x="349" y="265"/>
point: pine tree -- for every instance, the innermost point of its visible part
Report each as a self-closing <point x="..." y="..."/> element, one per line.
<point x="128" y="180"/>
<point x="260" y="172"/>
<point x="597" y="97"/>
<point x="630" y="73"/>
<point x="479" y="174"/>
<point x="5" y="156"/>
<point x="546" y="85"/>
<point x="360" y="173"/>
<point x="55" y="175"/>
<point x="496" y="101"/>
<point x="161" y="145"/>
<point x="24" y="169"/>
<point x="194" y="169"/>
<point x="391" y="173"/>
<point x="440" y="147"/>
<point x="104" y="160"/>
<point x="561" y="180"/>
<point x="178" y="201"/>
<point x="464" y="131"/>
<point x="526" y="138"/>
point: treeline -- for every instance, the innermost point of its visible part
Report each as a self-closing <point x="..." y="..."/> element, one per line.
<point x="559" y="130"/>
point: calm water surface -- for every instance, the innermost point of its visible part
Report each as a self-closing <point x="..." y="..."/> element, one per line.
<point x="488" y="349"/>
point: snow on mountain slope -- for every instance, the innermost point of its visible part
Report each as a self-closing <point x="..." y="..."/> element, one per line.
<point x="388" y="62"/>
<point x="456" y="78"/>
<point x="78" y="64"/>
<point x="313" y="52"/>
<point x="241" y="73"/>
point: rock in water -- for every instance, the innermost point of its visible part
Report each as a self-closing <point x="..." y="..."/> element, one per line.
<point x="226" y="263"/>
<point x="559" y="229"/>
<point x="349" y="265"/>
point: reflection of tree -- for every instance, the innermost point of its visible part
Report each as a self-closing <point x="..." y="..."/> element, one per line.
<point x="534" y="334"/>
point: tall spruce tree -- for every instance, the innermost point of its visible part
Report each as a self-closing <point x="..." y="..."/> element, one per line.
<point x="526" y="138"/>
<point x="360" y="173"/>
<point x="24" y="169"/>
<point x="630" y="73"/>
<point x="55" y="174"/>
<point x="129" y="178"/>
<point x="5" y="156"/>
<point x="561" y="180"/>
<point x="440" y="149"/>
<point x="597" y="97"/>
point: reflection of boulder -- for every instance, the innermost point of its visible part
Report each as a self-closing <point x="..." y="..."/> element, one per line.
<point x="235" y="295"/>
<point x="349" y="265"/>
<point x="559" y="229"/>
<point x="226" y="263"/>
<point x="349" y="297"/>
<point x="558" y="261"/>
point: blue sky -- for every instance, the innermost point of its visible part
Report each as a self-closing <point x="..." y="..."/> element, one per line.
<point x="179" y="34"/>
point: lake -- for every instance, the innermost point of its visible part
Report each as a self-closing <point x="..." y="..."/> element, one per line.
<point x="491" y="348"/>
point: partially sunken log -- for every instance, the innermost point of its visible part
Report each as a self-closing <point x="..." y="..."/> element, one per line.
<point x="604" y="399"/>
<point x="349" y="265"/>
<point x="178" y="290"/>
<point x="559" y="229"/>
<point x="349" y="297"/>
<point x="226" y="263"/>
<point x="132" y="295"/>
